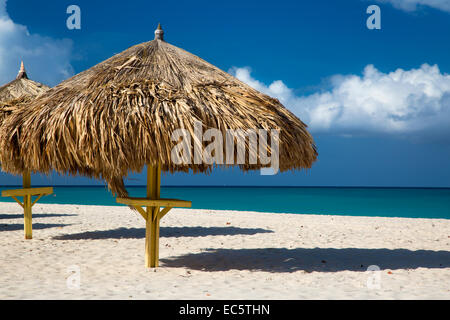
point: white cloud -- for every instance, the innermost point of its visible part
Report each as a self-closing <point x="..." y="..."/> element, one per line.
<point x="46" y="59"/>
<point x="413" y="5"/>
<point x="412" y="102"/>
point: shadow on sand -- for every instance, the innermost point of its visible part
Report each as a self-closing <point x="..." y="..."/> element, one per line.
<point x="138" y="233"/>
<point x="37" y="226"/>
<point x="314" y="259"/>
<point x="35" y="215"/>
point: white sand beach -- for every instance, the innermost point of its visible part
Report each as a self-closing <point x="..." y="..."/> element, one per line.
<point x="206" y="254"/>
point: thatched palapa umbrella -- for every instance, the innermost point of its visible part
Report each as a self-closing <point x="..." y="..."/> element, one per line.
<point x="18" y="91"/>
<point x="21" y="87"/>
<point x="118" y="117"/>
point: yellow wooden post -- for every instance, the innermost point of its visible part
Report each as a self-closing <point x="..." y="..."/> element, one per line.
<point x="26" y="178"/>
<point x="152" y="214"/>
<point x="152" y="223"/>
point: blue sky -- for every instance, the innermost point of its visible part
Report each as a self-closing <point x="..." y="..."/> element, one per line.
<point x="377" y="101"/>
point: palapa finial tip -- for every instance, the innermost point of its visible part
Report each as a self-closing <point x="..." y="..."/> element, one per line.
<point x="22" y="73"/>
<point x="159" y="33"/>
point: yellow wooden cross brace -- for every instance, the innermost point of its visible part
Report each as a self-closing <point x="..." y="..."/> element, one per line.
<point x="27" y="192"/>
<point x="152" y="213"/>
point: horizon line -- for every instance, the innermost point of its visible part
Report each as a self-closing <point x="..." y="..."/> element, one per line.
<point x="230" y="186"/>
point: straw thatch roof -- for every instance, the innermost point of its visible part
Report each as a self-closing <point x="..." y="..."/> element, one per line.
<point x="118" y="116"/>
<point x="19" y="90"/>
<point x="14" y="93"/>
<point x="21" y="86"/>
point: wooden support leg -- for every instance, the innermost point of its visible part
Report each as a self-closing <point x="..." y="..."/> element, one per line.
<point x="27" y="207"/>
<point x="152" y="241"/>
<point x="152" y="223"/>
<point x="28" y="227"/>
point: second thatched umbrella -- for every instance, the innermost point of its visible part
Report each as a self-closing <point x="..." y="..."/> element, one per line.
<point x="120" y="116"/>
<point x="12" y="97"/>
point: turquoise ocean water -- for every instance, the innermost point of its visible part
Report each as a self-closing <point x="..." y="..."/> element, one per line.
<point x="385" y="202"/>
